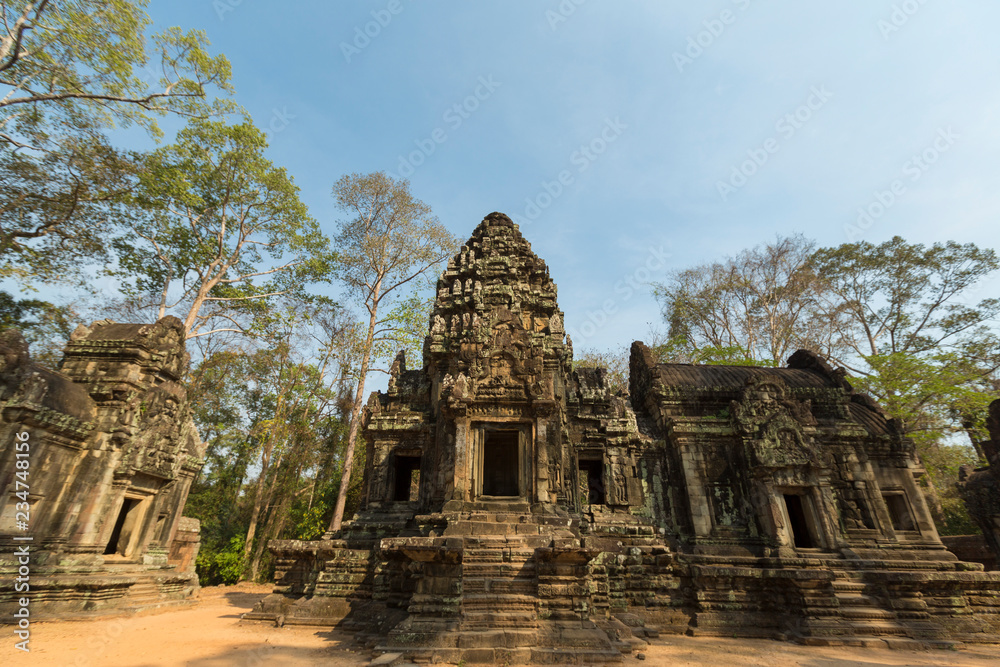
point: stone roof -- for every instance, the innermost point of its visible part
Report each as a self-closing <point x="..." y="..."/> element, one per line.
<point x="735" y="377"/>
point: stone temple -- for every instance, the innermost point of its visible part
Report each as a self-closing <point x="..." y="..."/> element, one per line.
<point x="516" y="510"/>
<point x="111" y="455"/>
<point x="981" y="488"/>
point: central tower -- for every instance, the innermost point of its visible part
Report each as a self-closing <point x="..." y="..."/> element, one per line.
<point x="496" y="357"/>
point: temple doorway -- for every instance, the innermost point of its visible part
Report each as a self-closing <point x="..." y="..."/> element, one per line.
<point x="406" y="485"/>
<point x="500" y="469"/>
<point x="124" y="530"/>
<point x="592" y="481"/>
<point x="798" y="522"/>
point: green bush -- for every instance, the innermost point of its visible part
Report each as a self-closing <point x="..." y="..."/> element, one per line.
<point x="222" y="567"/>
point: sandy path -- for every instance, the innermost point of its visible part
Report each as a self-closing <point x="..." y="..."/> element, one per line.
<point x="209" y="635"/>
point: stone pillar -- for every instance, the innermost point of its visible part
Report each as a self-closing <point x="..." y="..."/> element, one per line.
<point x="701" y="511"/>
<point x="460" y="485"/>
<point x="541" y="460"/>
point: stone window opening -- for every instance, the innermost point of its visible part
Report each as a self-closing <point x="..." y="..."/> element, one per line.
<point x="406" y="476"/>
<point x="592" y="481"/>
<point x="126" y="528"/>
<point x="800" y="521"/>
<point x="501" y="472"/>
<point x="899" y="511"/>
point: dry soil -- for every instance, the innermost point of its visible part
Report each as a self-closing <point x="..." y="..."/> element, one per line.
<point x="209" y="634"/>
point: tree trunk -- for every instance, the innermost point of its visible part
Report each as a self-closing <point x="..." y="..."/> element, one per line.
<point x="271" y="530"/>
<point x="352" y="434"/>
<point x="258" y="500"/>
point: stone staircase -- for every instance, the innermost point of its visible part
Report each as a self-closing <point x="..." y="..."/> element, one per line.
<point x="523" y="596"/>
<point x="863" y="614"/>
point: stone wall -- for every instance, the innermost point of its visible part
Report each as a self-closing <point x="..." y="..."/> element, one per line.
<point x="980" y="487"/>
<point x="112" y="455"/>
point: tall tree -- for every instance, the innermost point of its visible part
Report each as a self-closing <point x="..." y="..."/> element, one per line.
<point x="912" y="332"/>
<point x="267" y="411"/>
<point x="222" y="232"/>
<point x="756" y="307"/>
<point x="388" y="241"/>
<point x="71" y="70"/>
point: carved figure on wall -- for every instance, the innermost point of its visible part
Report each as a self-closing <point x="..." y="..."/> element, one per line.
<point x="772" y="424"/>
<point x="621" y="484"/>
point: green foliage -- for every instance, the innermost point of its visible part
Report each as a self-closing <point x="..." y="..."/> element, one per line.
<point x="929" y="392"/>
<point x="221" y="567"/>
<point x="45" y="326"/>
<point x="71" y="71"/>
<point x="903" y="319"/>
<point x="312" y="522"/>
<point x="222" y="232"/>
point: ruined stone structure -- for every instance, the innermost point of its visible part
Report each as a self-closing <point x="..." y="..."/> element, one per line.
<point x="516" y="510"/>
<point x="112" y="452"/>
<point x="981" y="487"/>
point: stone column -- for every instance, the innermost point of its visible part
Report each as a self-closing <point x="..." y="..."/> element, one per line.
<point x="460" y="486"/>
<point x="541" y="460"/>
<point x="701" y="511"/>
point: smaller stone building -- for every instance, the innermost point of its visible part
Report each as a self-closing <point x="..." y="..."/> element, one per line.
<point x="980" y="487"/>
<point x="111" y="454"/>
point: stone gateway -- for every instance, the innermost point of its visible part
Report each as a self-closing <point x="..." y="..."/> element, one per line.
<point x="517" y="510"/>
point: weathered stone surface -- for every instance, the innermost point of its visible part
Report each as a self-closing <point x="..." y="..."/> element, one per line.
<point x="980" y="487"/>
<point x="112" y="452"/>
<point x="515" y="509"/>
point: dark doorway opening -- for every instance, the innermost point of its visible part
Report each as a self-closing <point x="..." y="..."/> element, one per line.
<point x="899" y="512"/>
<point x="500" y="469"/>
<point x="592" y="471"/>
<point x="801" y="534"/>
<point x="122" y="533"/>
<point x="407" y="478"/>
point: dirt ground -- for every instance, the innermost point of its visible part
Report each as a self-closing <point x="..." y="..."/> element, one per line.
<point x="209" y="635"/>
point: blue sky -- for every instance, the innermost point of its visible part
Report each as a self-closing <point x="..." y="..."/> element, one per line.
<point x="650" y="136"/>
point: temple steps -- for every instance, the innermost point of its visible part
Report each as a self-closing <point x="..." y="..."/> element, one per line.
<point x="476" y="620"/>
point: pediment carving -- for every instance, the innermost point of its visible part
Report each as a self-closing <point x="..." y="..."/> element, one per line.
<point x="772" y="424"/>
